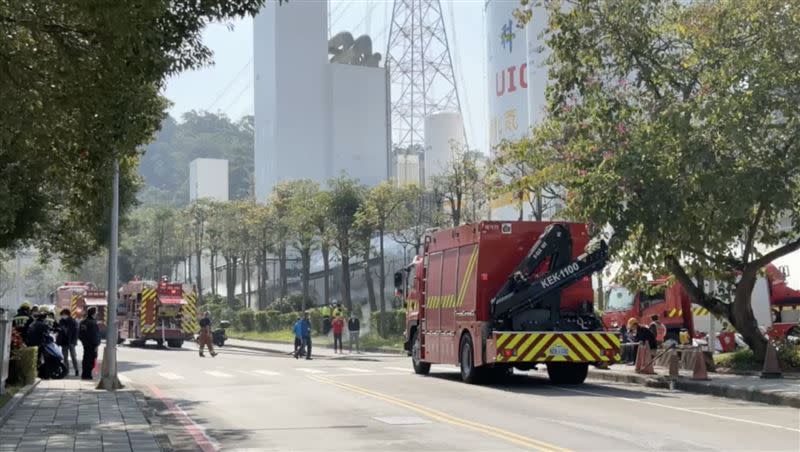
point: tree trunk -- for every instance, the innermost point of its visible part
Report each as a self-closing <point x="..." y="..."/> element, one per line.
<point x="382" y="275"/>
<point x="370" y="286"/>
<point x="743" y="318"/>
<point x="247" y="279"/>
<point x="326" y="267"/>
<point x="211" y="259"/>
<point x="228" y="281"/>
<point x="305" y="254"/>
<point x="346" y="279"/>
<point x="282" y="261"/>
<point x="199" y="277"/>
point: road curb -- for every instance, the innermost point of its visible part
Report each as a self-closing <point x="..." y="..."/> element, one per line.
<point x="750" y="394"/>
<point x="8" y="408"/>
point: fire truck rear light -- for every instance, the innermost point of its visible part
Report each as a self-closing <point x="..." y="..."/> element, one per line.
<point x="508" y="353"/>
<point x="484" y="276"/>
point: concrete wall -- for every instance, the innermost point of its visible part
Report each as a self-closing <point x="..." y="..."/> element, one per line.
<point x="358" y="122"/>
<point x="291" y="93"/>
<point x="208" y="178"/>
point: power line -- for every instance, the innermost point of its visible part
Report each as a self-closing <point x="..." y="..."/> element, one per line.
<point x="236" y="99"/>
<point x="229" y="85"/>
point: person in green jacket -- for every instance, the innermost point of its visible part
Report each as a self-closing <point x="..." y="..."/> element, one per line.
<point x="325" y="311"/>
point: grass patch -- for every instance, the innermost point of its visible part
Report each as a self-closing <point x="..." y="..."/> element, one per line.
<point x="10" y="391"/>
<point x="743" y="360"/>
<point x="740" y="360"/>
<point x="375" y="341"/>
<point x="287" y="336"/>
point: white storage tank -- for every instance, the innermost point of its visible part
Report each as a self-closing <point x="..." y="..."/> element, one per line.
<point x="507" y="67"/>
<point x="442" y="131"/>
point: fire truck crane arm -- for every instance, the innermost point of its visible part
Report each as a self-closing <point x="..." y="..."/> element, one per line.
<point x="525" y="295"/>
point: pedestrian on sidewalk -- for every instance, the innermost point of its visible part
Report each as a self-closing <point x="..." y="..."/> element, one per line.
<point x="298" y="337"/>
<point x="205" y="335"/>
<point x="354" y="326"/>
<point x="338" y="329"/>
<point x="68" y="338"/>
<point x="89" y="335"/>
<point x="305" y="330"/>
<point x="325" y="311"/>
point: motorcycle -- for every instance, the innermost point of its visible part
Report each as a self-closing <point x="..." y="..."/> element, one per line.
<point x="218" y="336"/>
<point x="51" y="364"/>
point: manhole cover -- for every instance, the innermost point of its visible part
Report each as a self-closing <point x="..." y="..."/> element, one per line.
<point x="402" y="420"/>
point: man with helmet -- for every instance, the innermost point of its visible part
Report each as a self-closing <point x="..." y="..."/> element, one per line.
<point x="23" y="319"/>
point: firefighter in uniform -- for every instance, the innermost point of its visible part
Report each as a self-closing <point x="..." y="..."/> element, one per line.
<point x="23" y="319"/>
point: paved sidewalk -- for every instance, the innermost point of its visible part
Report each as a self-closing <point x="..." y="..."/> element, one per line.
<point x="783" y="391"/>
<point x="70" y="415"/>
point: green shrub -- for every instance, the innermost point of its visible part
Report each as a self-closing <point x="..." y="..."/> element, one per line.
<point x="272" y="320"/>
<point x="287" y="320"/>
<point x="246" y="320"/>
<point x="22" y="367"/>
<point x="262" y="323"/>
<point x="316" y="320"/>
<point x="399" y="321"/>
<point x="789" y="355"/>
<point x="389" y="323"/>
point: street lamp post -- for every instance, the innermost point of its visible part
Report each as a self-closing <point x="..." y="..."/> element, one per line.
<point x="108" y="378"/>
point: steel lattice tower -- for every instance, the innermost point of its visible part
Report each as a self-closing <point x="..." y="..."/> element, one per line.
<point x="420" y="69"/>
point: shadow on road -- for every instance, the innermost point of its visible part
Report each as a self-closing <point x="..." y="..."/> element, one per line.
<point x="536" y="384"/>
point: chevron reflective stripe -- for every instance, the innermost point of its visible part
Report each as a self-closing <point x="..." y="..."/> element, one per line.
<point x="189" y="314"/>
<point x="456" y="300"/>
<point x="147" y="314"/>
<point x="73" y="306"/>
<point x="675" y="312"/>
<point x="576" y="347"/>
<point x="699" y="311"/>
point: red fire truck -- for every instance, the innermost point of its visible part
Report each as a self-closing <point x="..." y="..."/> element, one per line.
<point x="161" y="312"/>
<point x="493" y="296"/>
<point x="775" y="306"/>
<point x="78" y="297"/>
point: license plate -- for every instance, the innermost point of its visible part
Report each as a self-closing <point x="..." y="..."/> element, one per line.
<point x="558" y="351"/>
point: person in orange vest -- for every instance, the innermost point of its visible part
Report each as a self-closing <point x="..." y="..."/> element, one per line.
<point x="205" y="335"/>
<point x="658" y="329"/>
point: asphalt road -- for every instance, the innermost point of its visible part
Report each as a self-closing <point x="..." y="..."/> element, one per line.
<point x="245" y="400"/>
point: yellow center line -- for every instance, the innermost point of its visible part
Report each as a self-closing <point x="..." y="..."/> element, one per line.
<point x="446" y="418"/>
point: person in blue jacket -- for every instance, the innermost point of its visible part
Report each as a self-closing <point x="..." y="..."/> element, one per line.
<point x="305" y="331"/>
<point x="298" y="337"/>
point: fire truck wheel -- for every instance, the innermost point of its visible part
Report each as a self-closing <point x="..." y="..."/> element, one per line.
<point x="176" y="343"/>
<point x="567" y="373"/>
<point x="469" y="373"/>
<point x="137" y="343"/>
<point x="420" y="367"/>
<point x="159" y="342"/>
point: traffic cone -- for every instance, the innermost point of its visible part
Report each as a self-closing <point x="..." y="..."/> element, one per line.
<point x="647" y="362"/>
<point x="699" y="371"/>
<point x="674" y="364"/>
<point x="771" y="367"/>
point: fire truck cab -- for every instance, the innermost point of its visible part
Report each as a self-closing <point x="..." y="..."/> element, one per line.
<point x="80" y="296"/>
<point x="492" y="296"/>
<point x="160" y="311"/>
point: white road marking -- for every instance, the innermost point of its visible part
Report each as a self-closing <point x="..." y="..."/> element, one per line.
<point x="685" y="410"/>
<point x="170" y="376"/>
<point x="269" y="373"/>
<point x="401" y="369"/>
<point x="356" y="369"/>
<point x="215" y="373"/>
<point x="311" y="371"/>
<point x="374" y="374"/>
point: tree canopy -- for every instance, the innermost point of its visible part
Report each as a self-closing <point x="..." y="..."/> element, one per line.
<point x="80" y="83"/>
<point x="677" y="126"/>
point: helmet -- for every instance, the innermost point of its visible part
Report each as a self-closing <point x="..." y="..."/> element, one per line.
<point x="25" y="305"/>
<point x="44" y="309"/>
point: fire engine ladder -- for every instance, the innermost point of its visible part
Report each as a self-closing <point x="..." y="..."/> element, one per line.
<point x="520" y="292"/>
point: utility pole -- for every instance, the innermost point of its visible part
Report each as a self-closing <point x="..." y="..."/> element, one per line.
<point x="108" y="378"/>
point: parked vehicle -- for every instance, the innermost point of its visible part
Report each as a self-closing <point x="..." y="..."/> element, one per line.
<point x="51" y="366"/>
<point x="492" y="296"/>
<point x="218" y="336"/>
<point x="163" y="312"/>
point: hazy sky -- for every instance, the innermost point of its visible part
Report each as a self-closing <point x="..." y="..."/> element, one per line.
<point x="227" y="86"/>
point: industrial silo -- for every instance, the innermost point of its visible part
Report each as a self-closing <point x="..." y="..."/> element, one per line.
<point x="442" y="132"/>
